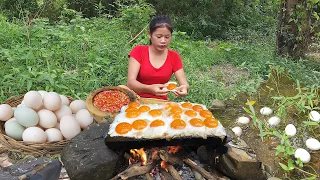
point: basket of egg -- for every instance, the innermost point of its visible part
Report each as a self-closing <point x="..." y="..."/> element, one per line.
<point x="106" y="102"/>
<point x="41" y="123"/>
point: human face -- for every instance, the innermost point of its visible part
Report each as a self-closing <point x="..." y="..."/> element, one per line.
<point x="160" y="38"/>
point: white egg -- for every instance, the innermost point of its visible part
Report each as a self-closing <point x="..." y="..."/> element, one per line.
<point x="76" y="105"/>
<point x="313" y="144"/>
<point x="53" y="135"/>
<point x="274" y="121"/>
<point x="10" y="120"/>
<point x="84" y="118"/>
<point x="243" y="120"/>
<point x="290" y="130"/>
<point x="69" y="127"/>
<point x="237" y="130"/>
<point x="26" y="116"/>
<point x="34" y="134"/>
<point x="13" y="109"/>
<point x="57" y="126"/>
<point x="62" y="111"/>
<point x="303" y="155"/>
<point x="314" y="116"/>
<point x="52" y="101"/>
<point x="64" y="100"/>
<point x="6" y="112"/>
<point x="47" y="119"/>
<point x="266" y="111"/>
<point x="33" y="99"/>
<point x="14" y="130"/>
<point x="43" y="93"/>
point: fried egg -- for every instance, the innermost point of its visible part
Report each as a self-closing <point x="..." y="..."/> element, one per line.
<point x="166" y="121"/>
<point x="170" y="86"/>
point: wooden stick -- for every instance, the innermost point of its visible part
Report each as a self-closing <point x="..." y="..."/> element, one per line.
<point x="138" y="34"/>
<point x="148" y="176"/>
<point x="202" y="171"/>
<point x="165" y="175"/>
<point x="134" y="170"/>
<point x="164" y="155"/>
<point x="174" y="173"/>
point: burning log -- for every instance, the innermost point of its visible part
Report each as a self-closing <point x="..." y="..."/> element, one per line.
<point x="134" y="170"/>
<point x="202" y="171"/>
<point x="165" y="156"/>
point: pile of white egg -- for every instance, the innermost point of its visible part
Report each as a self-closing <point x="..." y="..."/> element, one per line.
<point x="290" y="130"/>
<point x="45" y="117"/>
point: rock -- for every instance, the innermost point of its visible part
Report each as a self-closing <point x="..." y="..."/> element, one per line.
<point x="238" y="164"/>
<point x="87" y="156"/>
<point x="36" y="168"/>
<point x="217" y="104"/>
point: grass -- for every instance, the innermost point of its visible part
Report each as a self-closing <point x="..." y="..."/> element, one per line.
<point x="76" y="58"/>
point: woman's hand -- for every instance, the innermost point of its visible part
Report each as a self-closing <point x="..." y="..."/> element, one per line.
<point x="158" y="89"/>
<point x="181" y="91"/>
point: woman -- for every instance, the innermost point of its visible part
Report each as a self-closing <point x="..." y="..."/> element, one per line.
<point x="151" y="67"/>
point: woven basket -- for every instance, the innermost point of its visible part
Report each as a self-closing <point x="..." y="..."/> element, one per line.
<point x="28" y="148"/>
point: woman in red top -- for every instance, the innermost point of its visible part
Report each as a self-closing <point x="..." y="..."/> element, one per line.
<point x="151" y="66"/>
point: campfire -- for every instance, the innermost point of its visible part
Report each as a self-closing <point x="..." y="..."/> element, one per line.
<point x="165" y="163"/>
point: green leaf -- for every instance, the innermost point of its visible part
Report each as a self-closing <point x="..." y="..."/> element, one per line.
<point x="277" y="134"/>
<point x="310" y="123"/>
<point x="284" y="167"/>
<point x="289" y="150"/>
<point x="280" y="148"/>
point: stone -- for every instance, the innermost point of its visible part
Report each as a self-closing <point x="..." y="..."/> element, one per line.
<point x="217" y="105"/>
<point x="87" y="156"/>
<point x="239" y="164"/>
<point x="32" y="168"/>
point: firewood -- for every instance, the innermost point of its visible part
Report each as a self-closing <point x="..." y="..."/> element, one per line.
<point x="164" y="155"/>
<point x="174" y="173"/>
<point x="134" y="170"/>
<point x="148" y="176"/>
<point x="165" y="175"/>
<point x="202" y="171"/>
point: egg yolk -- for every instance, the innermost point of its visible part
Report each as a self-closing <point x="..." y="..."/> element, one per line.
<point x="171" y="86"/>
<point x="171" y="105"/>
<point x="132" y="114"/>
<point x="134" y="104"/>
<point x="139" y="124"/>
<point x="155" y="112"/>
<point x="178" y="124"/>
<point x="197" y="108"/>
<point x="190" y="113"/>
<point x="205" y="113"/>
<point x="131" y="109"/>
<point x="211" y="122"/>
<point x="175" y="115"/>
<point x="177" y="110"/>
<point x="144" y="109"/>
<point x="196" y="122"/>
<point x="186" y="105"/>
<point x="156" y="123"/>
<point x="123" y="128"/>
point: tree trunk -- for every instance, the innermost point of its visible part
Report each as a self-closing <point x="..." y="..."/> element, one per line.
<point x="290" y="40"/>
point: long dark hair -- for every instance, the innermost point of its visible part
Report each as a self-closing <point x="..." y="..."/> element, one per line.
<point x="159" y="22"/>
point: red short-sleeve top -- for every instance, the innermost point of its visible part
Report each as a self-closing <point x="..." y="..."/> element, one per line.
<point x="151" y="75"/>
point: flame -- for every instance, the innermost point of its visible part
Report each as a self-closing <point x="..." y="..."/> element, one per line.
<point x="174" y="149"/>
<point x="164" y="165"/>
<point x="139" y="154"/>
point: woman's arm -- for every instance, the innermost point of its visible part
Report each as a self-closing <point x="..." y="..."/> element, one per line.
<point x="183" y="89"/>
<point x="132" y="83"/>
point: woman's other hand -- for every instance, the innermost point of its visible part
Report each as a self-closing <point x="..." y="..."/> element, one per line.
<point x="181" y="91"/>
<point x="158" y="89"/>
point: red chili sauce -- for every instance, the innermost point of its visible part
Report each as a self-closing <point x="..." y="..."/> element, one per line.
<point x="110" y="100"/>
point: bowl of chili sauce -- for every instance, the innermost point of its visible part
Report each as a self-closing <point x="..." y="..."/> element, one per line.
<point x="106" y="102"/>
